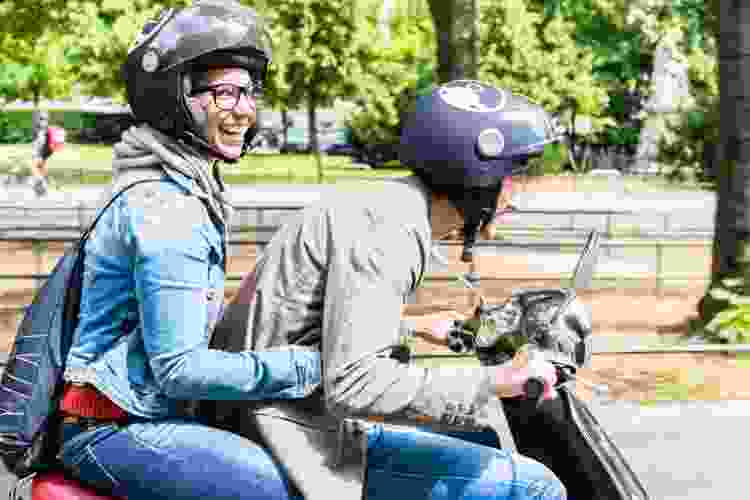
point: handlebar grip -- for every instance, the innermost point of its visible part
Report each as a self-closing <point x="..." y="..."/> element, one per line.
<point x="534" y="388"/>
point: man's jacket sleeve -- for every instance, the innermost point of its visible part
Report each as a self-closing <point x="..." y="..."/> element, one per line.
<point x="371" y="267"/>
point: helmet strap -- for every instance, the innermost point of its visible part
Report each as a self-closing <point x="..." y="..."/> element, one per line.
<point x="198" y="114"/>
<point x="478" y="207"/>
<point x="217" y="176"/>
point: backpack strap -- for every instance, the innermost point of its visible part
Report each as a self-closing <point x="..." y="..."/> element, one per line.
<point x="87" y="232"/>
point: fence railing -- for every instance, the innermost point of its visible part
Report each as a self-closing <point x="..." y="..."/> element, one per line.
<point x="658" y="245"/>
<point x="261" y="230"/>
<point x="82" y="212"/>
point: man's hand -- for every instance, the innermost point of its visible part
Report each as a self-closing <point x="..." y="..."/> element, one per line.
<point x="434" y="327"/>
<point x="510" y="377"/>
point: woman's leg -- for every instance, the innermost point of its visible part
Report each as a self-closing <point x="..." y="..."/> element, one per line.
<point x="173" y="459"/>
<point x="415" y="464"/>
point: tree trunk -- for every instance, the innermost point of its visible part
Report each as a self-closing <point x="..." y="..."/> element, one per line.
<point x="457" y="33"/>
<point x="285" y="126"/>
<point x="731" y="248"/>
<point x="313" y="127"/>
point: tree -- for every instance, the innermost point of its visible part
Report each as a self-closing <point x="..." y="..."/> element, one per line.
<point x="99" y="36"/>
<point x="395" y="74"/>
<point x="33" y="51"/>
<point x="457" y="32"/>
<point x="731" y="248"/>
<point x="537" y="57"/>
<point x="280" y="92"/>
<point x="327" y="47"/>
<point x="623" y="35"/>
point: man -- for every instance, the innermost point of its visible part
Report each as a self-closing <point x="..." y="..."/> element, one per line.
<point x="335" y="277"/>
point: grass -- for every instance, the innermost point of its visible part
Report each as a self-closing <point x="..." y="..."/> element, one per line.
<point x="742" y="359"/>
<point x="89" y="164"/>
<point x="80" y="164"/>
<point x="683" y="385"/>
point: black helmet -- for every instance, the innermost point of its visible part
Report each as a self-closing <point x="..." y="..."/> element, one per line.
<point x="159" y="65"/>
<point x="464" y="138"/>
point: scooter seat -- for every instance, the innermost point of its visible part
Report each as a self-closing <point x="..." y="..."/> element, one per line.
<point x="55" y="486"/>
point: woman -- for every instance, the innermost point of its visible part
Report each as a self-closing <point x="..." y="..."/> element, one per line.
<point x="154" y="272"/>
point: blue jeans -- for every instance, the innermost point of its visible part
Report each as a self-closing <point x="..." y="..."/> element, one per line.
<point x="404" y="463"/>
<point x="172" y="459"/>
<point x="186" y="460"/>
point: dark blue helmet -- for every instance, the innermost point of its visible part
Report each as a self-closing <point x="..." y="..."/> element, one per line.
<point x="466" y="136"/>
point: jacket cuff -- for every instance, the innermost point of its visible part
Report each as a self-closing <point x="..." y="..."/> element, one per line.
<point x="475" y="413"/>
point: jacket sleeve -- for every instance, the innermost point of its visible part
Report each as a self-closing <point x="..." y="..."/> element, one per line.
<point x="165" y="234"/>
<point x="371" y="267"/>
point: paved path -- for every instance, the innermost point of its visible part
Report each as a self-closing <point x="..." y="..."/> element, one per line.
<point x="681" y="451"/>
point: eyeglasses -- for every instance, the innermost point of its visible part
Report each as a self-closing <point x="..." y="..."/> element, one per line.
<point x="226" y="95"/>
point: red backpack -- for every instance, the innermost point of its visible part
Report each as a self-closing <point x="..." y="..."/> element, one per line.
<point x="55" y="138"/>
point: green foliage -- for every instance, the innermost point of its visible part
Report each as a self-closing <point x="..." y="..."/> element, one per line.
<point x="33" y="50"/>
<point x="35" y="68"/>
<point x="600" y="25"/>
<point x="539" y="58"/>
<point x="16" y="127"/>
<point x="683" y="147"/>
<point x="11" y="132"/>
<point x="621" y="136"/>
<point x="99" y="37"/>
<point x="731" y="325"/>
<point x="321" y="50"/>
<point x="395" y="76"/>
<point x="623" y="35"/>
<point x="12" y="80"/>
<point x="701" y="25"/>
<point x="548" y="50"/>
<point x="551" y="162"/>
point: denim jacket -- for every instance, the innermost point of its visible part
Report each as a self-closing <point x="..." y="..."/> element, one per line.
<point x="153" y="289"/>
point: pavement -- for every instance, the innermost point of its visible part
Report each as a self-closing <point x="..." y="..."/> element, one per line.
<point x="680" y="450"/>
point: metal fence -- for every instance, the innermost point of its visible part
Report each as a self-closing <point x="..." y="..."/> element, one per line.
<point x="267" y="220"/>
<point x="79" y="213"/>
<point x="268" y="217"/>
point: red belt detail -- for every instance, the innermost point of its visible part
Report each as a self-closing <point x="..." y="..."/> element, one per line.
<point x="87" y="402"/>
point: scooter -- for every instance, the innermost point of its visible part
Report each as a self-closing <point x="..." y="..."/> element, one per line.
<point x="581" y="453"/>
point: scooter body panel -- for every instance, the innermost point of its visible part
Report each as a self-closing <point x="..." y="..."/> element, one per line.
<point x="55" y="486"/>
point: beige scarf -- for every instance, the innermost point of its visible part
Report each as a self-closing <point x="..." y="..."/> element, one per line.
<point x="145" y="147"/>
